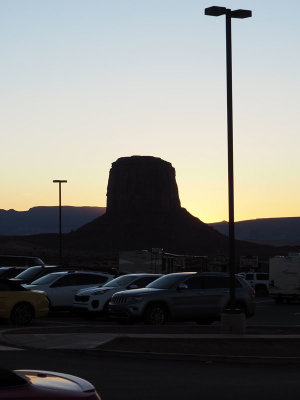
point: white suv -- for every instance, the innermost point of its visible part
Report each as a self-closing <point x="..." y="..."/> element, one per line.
<point x="95" y="301"/>
<point x="61" y="287"/>
<point x="259" y="281"/>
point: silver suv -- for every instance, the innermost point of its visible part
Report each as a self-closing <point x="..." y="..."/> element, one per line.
<point x="191" y="296"/>
<point x="93" y="301"/>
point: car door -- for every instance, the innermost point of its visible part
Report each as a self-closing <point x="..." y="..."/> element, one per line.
<point x="61" y="291"/>
<point x="67" y="286"/>
<point x="187" y="298"/>
<point x="202" y="296"/>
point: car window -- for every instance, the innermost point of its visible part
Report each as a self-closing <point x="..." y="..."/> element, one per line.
<point x="121" y="281"/>
<point x="29" y="273"/>
<point x="166" y="281"/>
<point x="249" y="277"/>
<point x="87" y="279"/>
<point x="67" y="280"/>
<point x="79" y="280"/>
<point x="210" y="282"/>
<point x="194" y="282"/>
<point x="144" y="281"/>
<point x="10" y="273"/>
<point x="47" y="279"/>
<point x="262" y="277"/>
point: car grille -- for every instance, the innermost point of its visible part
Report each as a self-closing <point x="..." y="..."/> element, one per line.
<point x="83" y="299"/>
<point x="119" y="300"/>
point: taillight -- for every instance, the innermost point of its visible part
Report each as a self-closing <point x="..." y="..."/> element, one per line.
<point x="252" y="292"/>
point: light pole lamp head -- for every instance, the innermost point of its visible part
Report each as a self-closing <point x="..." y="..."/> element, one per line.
<point x="60" y="181"/>
<point x="241" y="14"/>
<point x="215" y="11"/>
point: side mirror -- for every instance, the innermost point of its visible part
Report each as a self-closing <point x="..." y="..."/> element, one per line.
<point x="133" y="286"/>
<point x="182" y="286"/>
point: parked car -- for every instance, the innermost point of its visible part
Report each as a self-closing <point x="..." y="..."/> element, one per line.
<point x="93" y="301"/>
<point x="33" y="273"/>
<point x="19" y="261"/>
<point x="61" y="287"/>
<point x="21" y="305"/>
<point x="38" y="384"/>
<point x="10" y="272"/>
<point x="186" y="296"/>
<point x="259" y="281"/>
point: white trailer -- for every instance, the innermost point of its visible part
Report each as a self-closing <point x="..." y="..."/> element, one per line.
<point x="284" y="278"/>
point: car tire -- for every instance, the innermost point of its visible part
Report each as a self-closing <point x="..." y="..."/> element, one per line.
<point x="261" y="291"/>
<point x="156" y="314"/>
<point x="105" y="311"/>
<point x="22" y="314"/>
<point x="125" y="321"/>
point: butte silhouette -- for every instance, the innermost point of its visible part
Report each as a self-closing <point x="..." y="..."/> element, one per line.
<point x="144" y="211"/>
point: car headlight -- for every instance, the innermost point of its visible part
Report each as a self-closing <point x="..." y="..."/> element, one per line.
<point x="135" y="299"/>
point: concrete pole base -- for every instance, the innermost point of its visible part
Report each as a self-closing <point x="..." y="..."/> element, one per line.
<point x="233" y="323"/>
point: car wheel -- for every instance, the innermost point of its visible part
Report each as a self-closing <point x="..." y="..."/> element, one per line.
<point x="261" y="291"/>
<point x="22" y="314"/>
<point x="125" y="321"/>
<point x="243" y="309"/>
<point x="156" y="314"/>
<point x="105" y="310"/>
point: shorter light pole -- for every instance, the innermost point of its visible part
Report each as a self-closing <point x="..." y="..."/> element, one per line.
<point x="60" y="181"/>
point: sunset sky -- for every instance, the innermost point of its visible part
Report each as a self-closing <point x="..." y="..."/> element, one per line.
<point x="84" y="82"/>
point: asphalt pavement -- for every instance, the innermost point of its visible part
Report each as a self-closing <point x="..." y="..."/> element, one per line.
<point x="258" y="344"/>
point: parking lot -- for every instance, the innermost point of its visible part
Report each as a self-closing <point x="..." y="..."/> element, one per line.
<point x="267" y="313"/>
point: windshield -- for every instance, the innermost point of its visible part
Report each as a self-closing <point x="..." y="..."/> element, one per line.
<point x="165" y="282"/>
<point x="44" y="280"/>
<point x="29" y="273"/>
<point x="121" y="281"/>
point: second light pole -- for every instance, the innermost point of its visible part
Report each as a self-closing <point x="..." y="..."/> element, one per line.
<point x="216" y="12"/>
<point x="60" y="181"/>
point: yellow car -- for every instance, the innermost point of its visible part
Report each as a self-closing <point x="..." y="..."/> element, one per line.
<point x="21" y="305"/>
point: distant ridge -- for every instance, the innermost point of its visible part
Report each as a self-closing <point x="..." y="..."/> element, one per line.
<point x="274" y="231"/>
<point x="45" y="219"/>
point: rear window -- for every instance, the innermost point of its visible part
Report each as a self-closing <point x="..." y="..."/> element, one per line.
<point x="210" y="282"/>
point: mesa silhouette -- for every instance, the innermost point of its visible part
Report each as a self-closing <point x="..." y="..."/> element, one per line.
<point x="143" y="212"/>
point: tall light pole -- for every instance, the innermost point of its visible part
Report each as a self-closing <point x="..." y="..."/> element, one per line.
<point x="216" y="12"/>
<point x="60" y="181"/>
